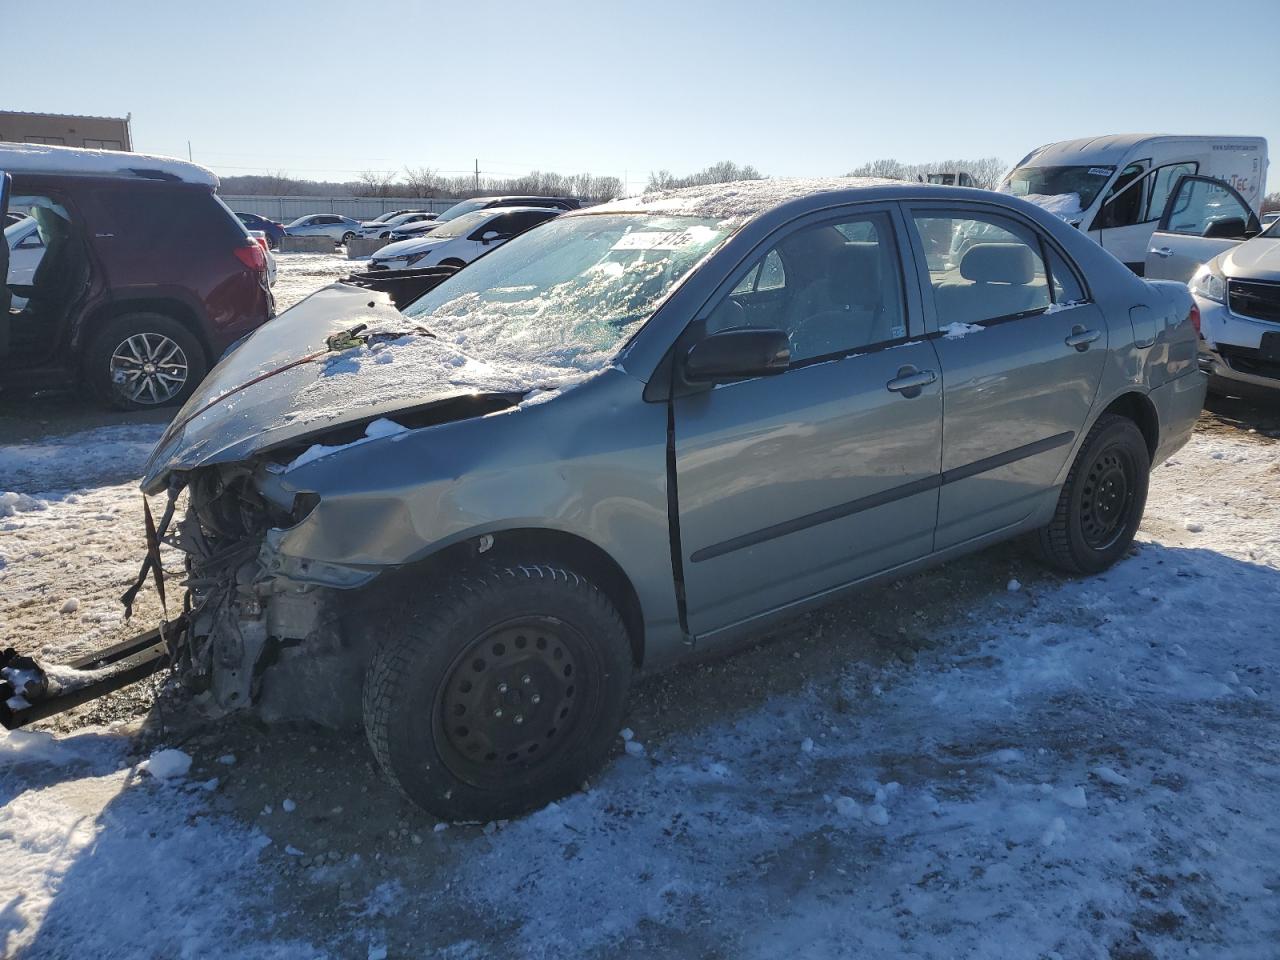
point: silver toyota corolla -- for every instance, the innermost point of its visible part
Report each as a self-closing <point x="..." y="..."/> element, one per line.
<point x="638" y="433"/>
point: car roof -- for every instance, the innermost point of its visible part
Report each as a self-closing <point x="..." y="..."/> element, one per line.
<point x="39" y="158"/>
<point x="1115" y="147"/>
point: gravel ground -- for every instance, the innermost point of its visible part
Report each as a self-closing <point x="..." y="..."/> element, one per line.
<point x="943" y="766"/>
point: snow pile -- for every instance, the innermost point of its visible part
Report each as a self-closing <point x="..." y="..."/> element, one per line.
<point x="167" y="764"/>
<point x="13" y="503"/>
<point x="955" y="331"/>
<point x="376" y="430"/>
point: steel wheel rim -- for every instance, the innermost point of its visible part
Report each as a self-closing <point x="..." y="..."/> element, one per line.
<point x="512" y="699"/>
<point x="1106" y="499"/>
<point x="148" y="368"/>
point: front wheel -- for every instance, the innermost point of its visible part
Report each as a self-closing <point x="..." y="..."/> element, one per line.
<point x="500" y="693"/>
<point x="1101" y="503"/>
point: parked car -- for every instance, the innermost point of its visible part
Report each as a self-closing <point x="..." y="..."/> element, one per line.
<point x="637" y="434"/>
<point x="143" y="279"/>
<point x="464" y="207"/>
<point x="1210" y="237"/>
<point x="461" y="240"/>
<point x="384" y="217"/>
<point x="1114" y="188"/>
<point x="384" y="228"/>
<point x="1267" y="219"/>
<point x="339" y="229"/>
<point x="260" y="238"/>
<point x="274" y="231"/>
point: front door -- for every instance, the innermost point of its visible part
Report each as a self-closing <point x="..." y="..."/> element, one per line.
<point x="796" y="484"/>
<point x="1202" y="218"/>
<point x="1129" y="214"/>
<point x="1022" y="353"/>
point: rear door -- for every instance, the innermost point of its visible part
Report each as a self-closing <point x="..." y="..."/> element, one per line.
<point x="1022" y="350"/>
<point x="792" y="485"/>
<point x="1202" y="217"/>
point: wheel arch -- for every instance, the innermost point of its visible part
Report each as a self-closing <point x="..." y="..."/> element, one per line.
<point x="543" y="545"/>
<point x="1136" y="406"/>
<point x="171" y="307"/>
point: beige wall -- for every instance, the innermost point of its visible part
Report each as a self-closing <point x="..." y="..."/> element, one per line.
<point x="99" y="132"/>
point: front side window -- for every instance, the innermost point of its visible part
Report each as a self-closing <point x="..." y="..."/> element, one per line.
<point x="1124" y="204"/>
<point x="982" y="267"/>
<point x="1204" y="207"/>
<point x="831" y="294"/>
<point x="1163" y="180"/>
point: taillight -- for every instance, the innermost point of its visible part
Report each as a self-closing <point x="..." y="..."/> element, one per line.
<point x="262" y="242"/>
<point x="1194" y="317"/>
<point x="252" y="256"/>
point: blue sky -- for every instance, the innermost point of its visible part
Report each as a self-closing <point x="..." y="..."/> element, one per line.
<point x="325" y="89"/>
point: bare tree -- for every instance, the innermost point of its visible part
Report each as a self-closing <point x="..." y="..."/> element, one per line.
<point x="726" y="171"/>
<point x="421" y="182"/>
<point x="1271" y="202"/>
<point x="376" y="183"/>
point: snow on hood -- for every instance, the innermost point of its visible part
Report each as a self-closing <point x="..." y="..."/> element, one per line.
<point x="735" y="202"/>
<point x="300" y="375"/>
<point x="37" y="158"/>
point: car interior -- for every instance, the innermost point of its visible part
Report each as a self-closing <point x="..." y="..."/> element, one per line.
<point x="59" y="277"/>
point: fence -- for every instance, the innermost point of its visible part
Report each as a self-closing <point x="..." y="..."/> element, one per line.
<point x="288" y="209"/>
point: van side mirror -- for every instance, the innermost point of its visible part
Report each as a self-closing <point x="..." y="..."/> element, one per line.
<point x="1228" y="228"/>
<point x="738" y="354"/>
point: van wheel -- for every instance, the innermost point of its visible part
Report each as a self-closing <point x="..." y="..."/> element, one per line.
<point x="1101" y="503"/>
<point x="144" y="360"/>
<point x="500" y="693"/>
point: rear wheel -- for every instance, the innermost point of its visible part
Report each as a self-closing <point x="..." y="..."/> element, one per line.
<point x="499" y="694"/>
<point x="347" y="237"/>
<point x="1101" y="503"/>
<point x="144" y="360"/>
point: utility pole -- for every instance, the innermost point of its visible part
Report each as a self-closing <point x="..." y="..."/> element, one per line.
<point x="477" y="174"/>
<point x="188" y="149"/>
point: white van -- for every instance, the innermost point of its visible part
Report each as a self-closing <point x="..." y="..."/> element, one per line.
<point x="1115" y="188"/>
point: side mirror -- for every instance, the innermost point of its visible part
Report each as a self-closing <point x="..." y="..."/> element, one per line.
<point x="489" y="236"/>
<point x="1228" y="228"/>
<point x="738" y="354"/>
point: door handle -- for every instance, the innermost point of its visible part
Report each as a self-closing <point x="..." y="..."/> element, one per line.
<point x="1080" y="338"/>
<point x="1162" y="251"/>
<point x="910" y="381"/>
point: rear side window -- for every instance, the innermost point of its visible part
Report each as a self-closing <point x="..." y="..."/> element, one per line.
<point x="982" y="267"/>
<point x="161" y="217"/>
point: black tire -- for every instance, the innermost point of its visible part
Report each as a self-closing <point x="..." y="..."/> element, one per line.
<point x="1102" y="500"/>
<point x="499" y="694"/>
<point x="106" y="381"/>
<point x="347" y="237"/>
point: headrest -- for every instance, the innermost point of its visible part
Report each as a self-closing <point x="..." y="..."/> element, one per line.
<point x="859" y="263"/>
<point x="998" y="263"/>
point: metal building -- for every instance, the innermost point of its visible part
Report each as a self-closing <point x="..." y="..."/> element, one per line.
<point x="66" y="130"/>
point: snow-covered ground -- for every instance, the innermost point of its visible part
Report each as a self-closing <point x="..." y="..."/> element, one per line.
<point x="1046" y="769"/>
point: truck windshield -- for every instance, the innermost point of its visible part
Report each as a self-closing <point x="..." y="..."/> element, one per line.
<point x="1084" y="182"/>
<point x="571" y="292"/>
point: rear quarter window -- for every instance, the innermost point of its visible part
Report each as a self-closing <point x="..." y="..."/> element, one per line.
<point x="163" y="217"/>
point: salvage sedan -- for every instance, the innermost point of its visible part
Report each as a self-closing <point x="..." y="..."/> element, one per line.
<point x="639" y="433"/>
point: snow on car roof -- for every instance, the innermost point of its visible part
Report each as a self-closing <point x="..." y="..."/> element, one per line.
<point x="739" y="200"/>
<point x="39" y="158"/>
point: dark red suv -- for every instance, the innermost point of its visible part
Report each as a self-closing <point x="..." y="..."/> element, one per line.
<point x="134" y="280"/>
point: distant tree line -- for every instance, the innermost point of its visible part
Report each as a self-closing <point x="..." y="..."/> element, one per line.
<point x="426" y="183"/>
<point x="986" y="172"/>
<point x="726" y="171"/>
<point x="1271" y="202"/>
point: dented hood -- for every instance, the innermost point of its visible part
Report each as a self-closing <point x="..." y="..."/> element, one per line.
<point x="343" y="356"/>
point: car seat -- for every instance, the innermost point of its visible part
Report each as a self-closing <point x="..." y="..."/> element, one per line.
<point x="996" y="280"/>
